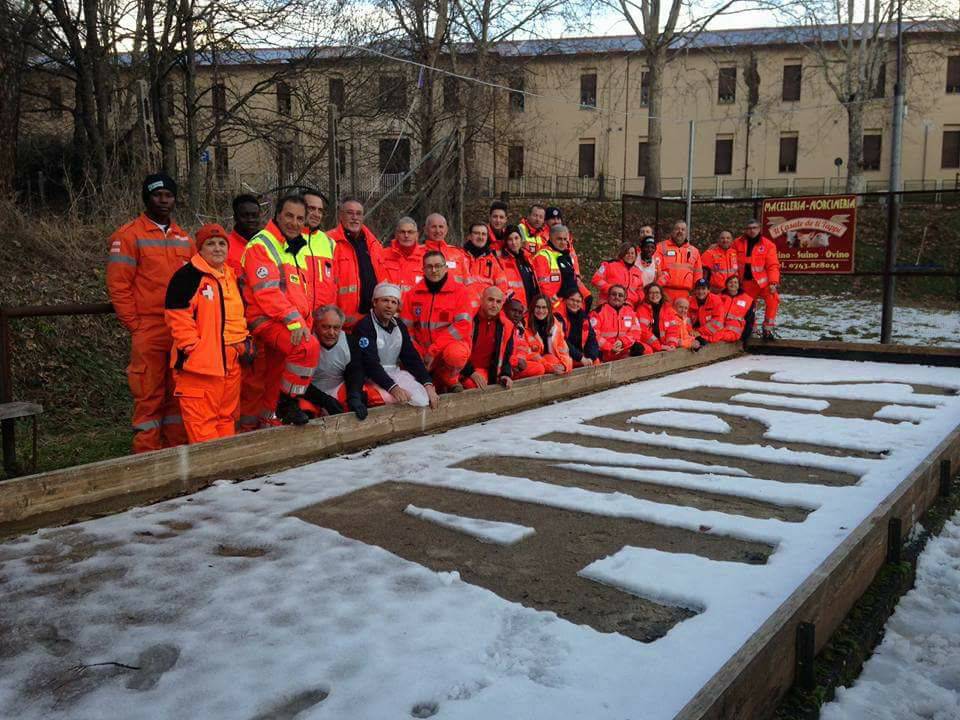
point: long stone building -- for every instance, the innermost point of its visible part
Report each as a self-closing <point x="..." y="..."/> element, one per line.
<point x="569" y="117"/>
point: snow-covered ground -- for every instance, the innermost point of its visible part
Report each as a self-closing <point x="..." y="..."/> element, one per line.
<point x="915" y="673"/>
<point x="854" y="319"/>
<point x="223" y="605"/>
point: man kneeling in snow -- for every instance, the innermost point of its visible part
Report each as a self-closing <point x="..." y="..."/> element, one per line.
<point x="394" y="369"/>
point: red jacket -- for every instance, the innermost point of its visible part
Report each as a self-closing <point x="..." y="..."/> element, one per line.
<point x="612" y="324"/>
<point x="403" y="267"/>
<point x="734" y="318"/>
<point x="685" y="332"/>
<point x="457" y="268"/>
<point x="617" y="272"/>
<point x="720" y="264"/>
<point x="142" y="260"/>
<point x="484" y="271"/>
<point x="348" y="274"/>
<point x="549" y="273"/>
<point x="279" y="285"/>
<point x="511" y="274"/>
<point x="763" y="261"/>
<point x="668" y="325"/>
<point x="555" y="348"/>
<point x="680" y="265"/>
<point x="236" y="244"/>
<point x="437" y="319"/>
<point x="534" y="239"/>
<point x="708" y="316"/>
<point x="502" y="352"/>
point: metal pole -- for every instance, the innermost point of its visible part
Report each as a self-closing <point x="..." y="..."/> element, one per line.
<point x="7" y="427"/>
<point x="690" y="179"/>
<point x="893" y="231"/>
<point x="333" y="186"/>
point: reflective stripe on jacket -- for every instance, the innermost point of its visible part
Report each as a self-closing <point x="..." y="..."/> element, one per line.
<point x="436" y="319"/>
<point x="680" y="265"/>
<point x="764" y="261"/>
<point x="719" y="264"/>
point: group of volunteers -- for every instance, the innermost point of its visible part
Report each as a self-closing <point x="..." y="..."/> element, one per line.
<point x="280" y="323"/>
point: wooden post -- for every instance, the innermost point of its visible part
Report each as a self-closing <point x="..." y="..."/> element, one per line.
<point x="7" y="427"/>
<point x="806" y="653"/>
<point x="894" y="540"/>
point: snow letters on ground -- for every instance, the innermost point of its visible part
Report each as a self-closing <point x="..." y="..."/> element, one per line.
<point x="596" y="558"/>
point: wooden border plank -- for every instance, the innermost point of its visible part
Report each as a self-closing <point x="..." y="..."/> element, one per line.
<point x="833" y="350"/>
<point x="754" y="681"/>
<point x="98" y="488"/>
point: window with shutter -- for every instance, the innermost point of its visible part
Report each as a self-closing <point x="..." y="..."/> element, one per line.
<point x="788" y="153"/>
<point x="953" y="74"/>
<point x="393" y="93"/>
<point x="284" y="99"/>
<point x="727" y="86"/>
<point x="642" y="160"/>
<point x="515" y="161"/>
<point x="588" y="90"/>
<point x="586" y="160"/>
<point x="791" y="83"/>
<point x="645" y="88"/>
<point x="723" y="156"/>
<point x="394" y="156"/>
<point x="337" y="92"/>
<point x="517" y="98"/>
<point x="872" y="144"/>
<point x="950" y="156"/>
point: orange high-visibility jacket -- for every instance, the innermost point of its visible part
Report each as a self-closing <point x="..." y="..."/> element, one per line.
<point x="322" y="251"/>
<point x="734" y="319"/>
<point x="278" y="284"/>
<point x="611" y="324"/>
<point x="685" y="333"/>
<point x="436" y="319"/>
<point x="763" y="261"/>
<point x="667" y="325"/>
<point x="457" y="268"/>
<point x="680" y="265"/>
<point x="549" y="272"/>
<point x="534" y="239"/>
<point x="347" y="272"/>
<point x="485" y="271"/>
<point x="142" y="260"/>
<point x="617" y="272"/>
<point x="204" y="312"/>
<point x="709" y="316"/>
<point x="511" y="272"/>
<point x="719" y="264"/>
<point x="236" y="244"/>
<point x="556" y="346"/>
<point x="403" y="266"/>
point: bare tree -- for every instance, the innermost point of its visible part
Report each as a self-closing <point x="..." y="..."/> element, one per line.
<point x="17" y="22"/>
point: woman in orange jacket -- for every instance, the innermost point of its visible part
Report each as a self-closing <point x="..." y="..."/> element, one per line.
<point x="204" y="312"/>
<point x="517" y="266"/>
<point x="545" y="336"/>
<point x="621" y="270"/>
<point x="657" y="314"/>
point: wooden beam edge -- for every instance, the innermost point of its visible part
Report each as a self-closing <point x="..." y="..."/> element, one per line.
<point x="112" y="485"/>
<point x="709" y="701"/>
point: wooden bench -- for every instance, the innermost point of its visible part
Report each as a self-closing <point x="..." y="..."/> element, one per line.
<point x="8" y="413"/>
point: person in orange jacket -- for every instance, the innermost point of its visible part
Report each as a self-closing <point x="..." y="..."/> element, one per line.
<point x="278" y="289"/>
<point x="680" y="264"/>
<point x="708" y="310"/>
<point x="760" y="273"/>
<point x="545" y="337"/>
<point x="686" y="335"/>
<point x="438" y="313"/>
<point x="246" y="224"/>
<point x="557" y="270"/>
<point x="403" y="258"/>
<point x="524" y="363"/>
<point x="491" y="348"/>
<point x="435" y="239"/>
<point x="737" y="314"/>
<point x="659" y="317"/>
<point x="322" y="250"/>
<point x="144" y="255"/>
<point x="619" y="331"/>
<point x="357" y="261"/>
<point x="578" y="331"/>
<point x="497" y="224"/>
<point x="517" y="267"/>
<point x="648" y="263"/>
<point x="622" y="271"/>
<point x="482" y="264"/>
<point x="720" y="262"/>
<point x="204" y="312"/>
<point x="534" y="228"/>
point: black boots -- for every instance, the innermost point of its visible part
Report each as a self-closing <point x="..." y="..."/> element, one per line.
<point x="289" y="412"/>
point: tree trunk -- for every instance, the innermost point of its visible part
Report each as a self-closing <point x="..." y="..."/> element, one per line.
<point x="855" y="181"/>
<point x="12" y="59"/>
<point x="656" y="63"/>
<point x="190" y="96"/>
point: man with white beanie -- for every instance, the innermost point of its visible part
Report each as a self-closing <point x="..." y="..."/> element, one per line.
<point x="392" y="365"/>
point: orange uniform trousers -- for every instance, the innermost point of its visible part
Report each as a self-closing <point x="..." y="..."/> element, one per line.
<point x="210" y="404"/>
<point x="771" y="301"/>
<point x="289" y="368"/>
<point x="157" y="422"/>
<point x="253" y="414"/>
<point x="534" y="368"/>
<point x="446" y="366"/>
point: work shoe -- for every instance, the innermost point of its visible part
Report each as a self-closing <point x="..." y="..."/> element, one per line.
<point x="458" y="388"/>
<point x="289" y="411"/>
<point x="770" y="334"/>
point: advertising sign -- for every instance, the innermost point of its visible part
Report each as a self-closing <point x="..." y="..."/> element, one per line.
<point x="813" y="234"/>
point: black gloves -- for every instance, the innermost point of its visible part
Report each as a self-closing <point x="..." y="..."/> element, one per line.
<point x="248" y="352"/>
<point x="358" y="407"/>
